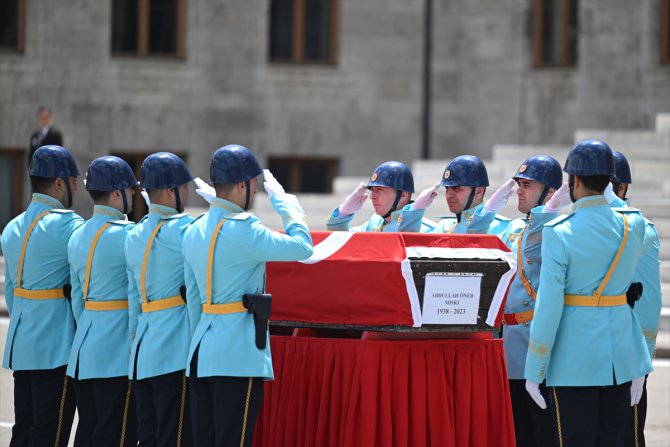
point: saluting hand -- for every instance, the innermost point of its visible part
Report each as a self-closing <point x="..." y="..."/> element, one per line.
<point x="499" y="199"/>
<point x="559" y="200"/>
<point x="426" y="198"/>
<point x="145" y="196"/>
<point x="271" y="185"/>
<point x="354" y="201"/>
<point x="204" y="190"/>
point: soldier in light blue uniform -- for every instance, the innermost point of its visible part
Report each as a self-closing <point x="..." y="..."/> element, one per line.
<point x="225" y="251"/>
<point x="647" y="308"/>
<point x="541" y="196"/>
<point x="37" y="278"/>
<point x="584" y="339"/>
<point x="159" y="326"/>
<point x="391" y="186"/>
<point x="99" y="356"/>
<point x="465" y="179"/>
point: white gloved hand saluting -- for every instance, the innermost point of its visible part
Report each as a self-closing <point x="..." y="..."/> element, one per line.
<point x="354" y="201"/>
<point x="499" y="199"/>
<point x="426" y="198"/>
<point x="204" y="190"/>
<point x="559" y="200"/>
<point x="636" y="387"/>
<point x="271" y="185"/>
<point x="145" y="196"/>
<point x="609" y="193"/>
<point x="533" y="389"/>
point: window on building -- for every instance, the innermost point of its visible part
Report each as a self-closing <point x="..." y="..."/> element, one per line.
<point x="148" y="28"/>
<point x="297" y="174"/>
<point x="303" y="31"/>
<point x="555" y="33"/>
<point x="11" y="25"/>
<point x="665" y="32"/>
<point x="12" y="173"/>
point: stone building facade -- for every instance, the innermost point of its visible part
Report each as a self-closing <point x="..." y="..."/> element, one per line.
<point x="361" y="106"/>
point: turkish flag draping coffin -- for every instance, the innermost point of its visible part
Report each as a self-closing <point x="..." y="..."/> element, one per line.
<point x="376" y="280"/>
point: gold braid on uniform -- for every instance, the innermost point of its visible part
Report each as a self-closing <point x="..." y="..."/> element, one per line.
<point x="246" y="412"/>
<point x="181" y="409"/>
<point x="125" y="417"/>
<point x="558" y="420"/>
<point x="61" y="410"/>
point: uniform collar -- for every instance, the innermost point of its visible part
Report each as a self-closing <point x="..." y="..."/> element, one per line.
<point x="47" y="200"/>
<point x="103" y="210"/>
<point x="162" y="210"/>
<point x="217" y="202"/>
<point x="469" y="212"/>
<point x="590" y="202"/>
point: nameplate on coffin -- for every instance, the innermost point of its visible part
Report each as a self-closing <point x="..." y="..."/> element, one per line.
<point x="451" y="298"/>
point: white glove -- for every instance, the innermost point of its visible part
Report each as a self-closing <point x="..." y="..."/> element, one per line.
<point x="533" y="389"/>
<point x="354" y="201"/>
<point x="145" y="196"/>
<point x="636" y="390"/>
<point x="426" y="198"/>
<point x="609" y="193"/>
<point x="272" y="186"/>
<point x="204" y="190"/>
<point x="499" y="199"/>
<point x="559" y="200"/>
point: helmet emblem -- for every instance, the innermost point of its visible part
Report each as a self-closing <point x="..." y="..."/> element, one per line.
<point x="522" y="168"/>
<point x="374" y="177"/>
<point x="447" y="174"/>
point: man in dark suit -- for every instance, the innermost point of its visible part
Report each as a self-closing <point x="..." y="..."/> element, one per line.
<point x="47" y="134"/>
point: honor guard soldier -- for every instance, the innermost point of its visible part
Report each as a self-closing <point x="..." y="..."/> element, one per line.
<point x="159" y="327"/>
<point x="391" y="186"/>
<point x="41" y="326"/>
<point x="644" y="296"/>
<point x="99" y="356"/>
<point x="465" y="179"/>
<point x="584" y="339"/>
<point x="541" y="195"/>
<point x="225" y="251"/>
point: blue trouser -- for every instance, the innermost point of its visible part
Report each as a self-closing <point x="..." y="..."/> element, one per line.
<point x="163" y="410"/>
<point x="218" y="406"/>
<point x="44" y="403"/>
<point x="590" y="415"/>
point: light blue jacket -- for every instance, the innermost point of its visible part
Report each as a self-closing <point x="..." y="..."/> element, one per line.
<point x="515" y="337"/>
<point x="648" y="307"/>
<point x="227" y="342"/>
<point x="101" y="344"/>
<point x="160" y="339"/>
<point x="578" y="345"/>
<point x="404" y="219"/>
<point x="40" y="331"/>
<point x="474" y="221"/>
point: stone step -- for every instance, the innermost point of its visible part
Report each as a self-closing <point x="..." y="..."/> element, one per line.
<point x="635" y="144"/>
<point x="663" y="122"/>
<point x="665" y="293"/>
<point x="664" y="324"/>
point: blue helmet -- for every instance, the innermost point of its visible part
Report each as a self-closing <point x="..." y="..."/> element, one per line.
<point x="233" y="164"/>
<point x="53" y="162"/>
<point x="109" y="173"/>
<point x="164" y="170"/>
<point x="542" y="169"/>
<point x="590" y="157"/>
<point x="465" y="170"/>
<point x="621" y="169"/>
<point x="393" y="174"/>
